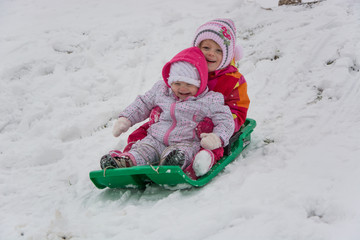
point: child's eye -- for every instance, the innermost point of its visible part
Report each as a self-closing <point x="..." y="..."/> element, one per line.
<point x="219" y="51"/>
<point x="205" y="48"/>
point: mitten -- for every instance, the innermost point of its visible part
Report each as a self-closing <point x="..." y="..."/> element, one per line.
<point x="121" y="125"/>
<point x="210" y="141"/>
<point x="155" y="115"/>
<point x="205" y="126"/>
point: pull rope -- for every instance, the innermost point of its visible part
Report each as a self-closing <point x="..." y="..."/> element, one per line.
<point x="155" y="169"/>
<point x="106" y="169"/>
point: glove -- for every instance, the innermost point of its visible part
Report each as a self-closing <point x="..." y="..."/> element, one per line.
<point x="205" y="126"/>
<point x="210" y="141"/>
<point x="155" y="115"/>
<point x="121" y="125"/>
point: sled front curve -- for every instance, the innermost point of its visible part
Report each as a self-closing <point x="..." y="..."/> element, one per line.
<point x="141" y="176"/>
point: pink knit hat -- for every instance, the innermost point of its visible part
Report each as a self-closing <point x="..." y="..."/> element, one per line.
<point x="223" y="32"/>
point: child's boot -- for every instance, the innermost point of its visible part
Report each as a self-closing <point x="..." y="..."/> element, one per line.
<point x="174" y="158"/>
<point x="203" y="161"/>
<point x="108" y="161"/>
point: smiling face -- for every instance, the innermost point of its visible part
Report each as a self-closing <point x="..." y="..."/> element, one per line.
<point x="183" y="90"/>
<point x="213" y="54"/>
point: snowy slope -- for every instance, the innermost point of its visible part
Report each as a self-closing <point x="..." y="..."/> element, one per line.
<point x="67" y="68"/>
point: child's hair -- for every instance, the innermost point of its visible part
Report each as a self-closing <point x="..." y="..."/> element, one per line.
<point x="223" y="32"/>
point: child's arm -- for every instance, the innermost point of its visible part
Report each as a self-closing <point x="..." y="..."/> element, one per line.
<point x="140" y="109"/>
<point x="210" y="141"/>
<point x="222" y="118"/>
<point x="233" y="86"/>
<point x="121" y="125"/>
<point x="238" y="102"/>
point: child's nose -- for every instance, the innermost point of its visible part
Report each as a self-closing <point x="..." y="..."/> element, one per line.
<point x="183" y="88"/>
<point x="212" y="53"/>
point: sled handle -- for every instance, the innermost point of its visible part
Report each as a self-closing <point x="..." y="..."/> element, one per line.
<point x="244" y="131"/>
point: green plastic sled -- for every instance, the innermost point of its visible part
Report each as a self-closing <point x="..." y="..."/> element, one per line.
<point x="172" y="176"/>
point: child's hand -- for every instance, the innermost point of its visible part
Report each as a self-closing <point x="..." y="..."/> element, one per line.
<point x="210" y="141"/>
<point x="121" y="125"/>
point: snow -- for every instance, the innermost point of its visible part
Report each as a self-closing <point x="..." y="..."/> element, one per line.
<point x="67" y="68"/>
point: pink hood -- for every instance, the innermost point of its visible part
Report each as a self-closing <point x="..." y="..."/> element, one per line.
<point x="194" y="56"/>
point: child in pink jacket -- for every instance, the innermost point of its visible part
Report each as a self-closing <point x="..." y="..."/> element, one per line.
<point x="217" y="41"/>
<point x="184" y="100"/>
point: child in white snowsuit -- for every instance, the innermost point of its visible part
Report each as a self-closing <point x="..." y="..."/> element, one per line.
<point x="185" y="100"/>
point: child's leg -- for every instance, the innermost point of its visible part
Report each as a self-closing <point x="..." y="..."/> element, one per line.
<point x="180" y="154"/>
<point x="144" y="152"/>
<point x="117" y="161"/>
<point x="141" y="132"/>
<point x="205" y="126"/>
<point x="218" y="154"/>
<point x="147" y="151"/>
<point x="137" y="135"/>
<point x="203" y="162"/>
